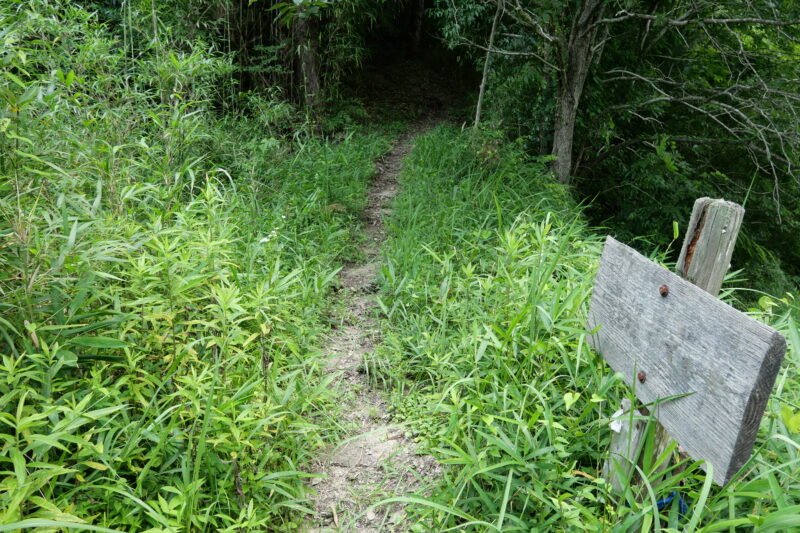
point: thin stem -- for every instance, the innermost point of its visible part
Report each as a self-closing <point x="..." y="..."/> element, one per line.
<point x="497" y="13"/>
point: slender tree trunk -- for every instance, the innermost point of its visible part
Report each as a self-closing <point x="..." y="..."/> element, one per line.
<point x="576" y="65"/>
<point x="489" y="48"/>
<point x="306" y="32"/>
<point x="545" y="120"/>
<point x="419" y="17"/>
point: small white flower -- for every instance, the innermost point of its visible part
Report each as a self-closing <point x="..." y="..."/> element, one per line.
<point x="616" y="421"/>
<point x="265" y="239"/>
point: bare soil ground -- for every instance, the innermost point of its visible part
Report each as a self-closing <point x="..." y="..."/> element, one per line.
<point x="376" y="461"/>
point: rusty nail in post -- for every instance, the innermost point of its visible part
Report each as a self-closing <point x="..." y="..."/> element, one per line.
<point x="642" y="376"/>
<point x="663" y="290"/>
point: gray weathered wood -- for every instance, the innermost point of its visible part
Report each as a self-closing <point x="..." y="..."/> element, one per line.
<point x="687" y="343"/>
<point x="705" y="259"/>
<point x="623" y="452"/>
<point x="708" y="246"/>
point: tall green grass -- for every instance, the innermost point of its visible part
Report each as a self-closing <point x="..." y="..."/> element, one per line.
<point x="489" y="268"/>
<point x="164" y="275"/>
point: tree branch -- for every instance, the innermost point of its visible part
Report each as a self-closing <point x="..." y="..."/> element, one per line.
<point x="685" y="21"/>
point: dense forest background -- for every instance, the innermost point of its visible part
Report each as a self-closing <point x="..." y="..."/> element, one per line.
<point x="667" y="101"/>
<point x="672" y="100"/>
<point x="182" y="180"/>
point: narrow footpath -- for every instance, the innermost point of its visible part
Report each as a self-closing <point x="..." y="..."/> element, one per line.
<point x="375" y="461"/>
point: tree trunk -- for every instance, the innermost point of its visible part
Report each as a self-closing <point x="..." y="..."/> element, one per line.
<point x="576" y="65"/>
<point x="486" y="64"/>
<point x="305" y="29"/>
<point x="419" y="16"/>
<point x="563" y="134"/>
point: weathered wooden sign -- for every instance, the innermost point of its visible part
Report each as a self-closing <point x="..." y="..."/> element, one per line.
<point x="668" y="338"/>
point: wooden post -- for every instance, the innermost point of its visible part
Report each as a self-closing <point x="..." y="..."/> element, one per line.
<point x="704" y="260"/>
<point x="706" y="368"/>
<point x="709" y="242"/>
<point x="627" y="437"/>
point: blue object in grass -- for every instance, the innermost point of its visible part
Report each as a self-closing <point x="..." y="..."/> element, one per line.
<point x="683" y="507"/>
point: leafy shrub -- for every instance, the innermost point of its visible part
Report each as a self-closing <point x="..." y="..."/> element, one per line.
<point x="164" y="276"/>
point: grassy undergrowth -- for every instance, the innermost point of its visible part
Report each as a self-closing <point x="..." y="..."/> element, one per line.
<point x="487" y="283"/>
<point x="164" y="274"/>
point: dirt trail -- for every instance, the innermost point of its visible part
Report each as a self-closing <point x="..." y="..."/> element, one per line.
<point x="375" y="461"/>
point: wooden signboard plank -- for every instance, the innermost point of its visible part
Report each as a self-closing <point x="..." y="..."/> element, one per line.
<point x="668" y="338"/>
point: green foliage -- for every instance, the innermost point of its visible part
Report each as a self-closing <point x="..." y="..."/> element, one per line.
<point x="338" y="35"/>
<point x="676" y="106"/>
<point x="164" y="274"/>
<point x="489" y="269"/>
<point x="165" y="271"/>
